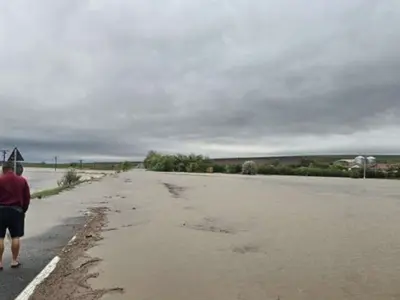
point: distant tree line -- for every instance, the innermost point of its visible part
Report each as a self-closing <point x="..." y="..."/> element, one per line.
<point x="155" y="161"/>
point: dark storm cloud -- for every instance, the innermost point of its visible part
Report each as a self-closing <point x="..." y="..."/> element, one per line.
<point x="118" y="78"/>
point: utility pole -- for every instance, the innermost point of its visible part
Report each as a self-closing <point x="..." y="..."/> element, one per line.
<point x="365" y="167"/>
<point x="15" y="160"/>
<point x="364" y="162"/>
<point x="55" y="163"/>
<point x="81" y="163"/>
<point x="4" y="152"/>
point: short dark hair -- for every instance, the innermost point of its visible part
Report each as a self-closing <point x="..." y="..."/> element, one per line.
<point x="8" y="166"/>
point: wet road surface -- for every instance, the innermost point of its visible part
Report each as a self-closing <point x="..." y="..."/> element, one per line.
<point x="36" y="253"/>
<point x="50" y="224"/>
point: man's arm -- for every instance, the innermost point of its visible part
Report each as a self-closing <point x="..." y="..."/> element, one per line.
<point x="27" y="197"/>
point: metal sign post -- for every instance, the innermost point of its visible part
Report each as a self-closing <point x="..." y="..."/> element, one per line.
<point x="15" y="160"/>
<point x="4" y="151"/>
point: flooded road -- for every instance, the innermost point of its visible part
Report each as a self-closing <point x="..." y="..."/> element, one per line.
<point x="227" y="237"/>
<point x="46" y="178"/>
<point x="235" y="237"/>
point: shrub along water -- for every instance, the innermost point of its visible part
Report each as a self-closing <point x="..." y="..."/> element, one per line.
<point x="69" y="179"/>
<point x="197" y="163"/>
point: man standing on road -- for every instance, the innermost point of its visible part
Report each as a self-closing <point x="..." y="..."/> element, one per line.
<point x="14" y="202"/>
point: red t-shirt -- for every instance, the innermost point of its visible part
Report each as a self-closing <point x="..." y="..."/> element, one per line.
<point x="14" y="191"/>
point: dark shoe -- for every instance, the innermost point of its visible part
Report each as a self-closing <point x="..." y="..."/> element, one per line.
<point x="16" y="266"/>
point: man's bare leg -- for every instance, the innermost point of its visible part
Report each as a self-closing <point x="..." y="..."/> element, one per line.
<point x="15" y="246"/>
<point x="1" y="253"/>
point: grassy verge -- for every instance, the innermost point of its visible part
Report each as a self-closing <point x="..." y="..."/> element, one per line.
<point x="57" y="190"/>
<point x="54" y="191"/>
<point x="47" y="193"/>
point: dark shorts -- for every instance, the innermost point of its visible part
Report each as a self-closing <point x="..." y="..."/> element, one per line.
<point x="13" y="220"/>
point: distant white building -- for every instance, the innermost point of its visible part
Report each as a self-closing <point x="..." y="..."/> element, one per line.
<point x="357" y="162"/>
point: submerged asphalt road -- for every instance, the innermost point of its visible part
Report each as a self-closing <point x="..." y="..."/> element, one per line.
<point x="50" y="224"/>
<point x="37" y="252"/>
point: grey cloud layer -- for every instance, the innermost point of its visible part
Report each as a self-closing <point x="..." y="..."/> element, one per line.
<point x="117" y="78"/>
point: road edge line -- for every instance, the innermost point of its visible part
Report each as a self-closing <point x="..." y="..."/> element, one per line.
<point x="71" y="240"/>
<point x="30" y="289"/>
<point x="47" y="270"/>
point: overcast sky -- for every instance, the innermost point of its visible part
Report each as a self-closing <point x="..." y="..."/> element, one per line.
<point x="111" y="79"/>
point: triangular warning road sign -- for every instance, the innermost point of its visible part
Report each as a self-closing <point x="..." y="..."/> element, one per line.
<point x="19" y="155"/>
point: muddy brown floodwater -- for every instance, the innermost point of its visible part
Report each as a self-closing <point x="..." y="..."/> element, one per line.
<point x="179" y="237"/>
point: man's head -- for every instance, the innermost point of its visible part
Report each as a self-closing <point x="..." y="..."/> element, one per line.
<point x="8" y="167"/>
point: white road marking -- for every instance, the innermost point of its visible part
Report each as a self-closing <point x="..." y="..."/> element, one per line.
<point x="72" y="240"/>
<point x="28" y="291"/>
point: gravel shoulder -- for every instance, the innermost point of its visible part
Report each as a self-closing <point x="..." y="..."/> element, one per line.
<point x="69" y="280"/>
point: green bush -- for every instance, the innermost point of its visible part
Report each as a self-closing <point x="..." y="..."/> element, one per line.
<point x="218" y="168"/>
<point x="233" y="169"/>
<point x="355" y="173"/>
<point x="302" y="171"/>
<point x="176" y="163"/>
<point x="249" y="168"/>
<point x="371" y="173"/>
<point x="70" y="178"/>
<point x="126" y="166"/>
<point x="267" y="170"/>
<point x="379" y="174"/>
